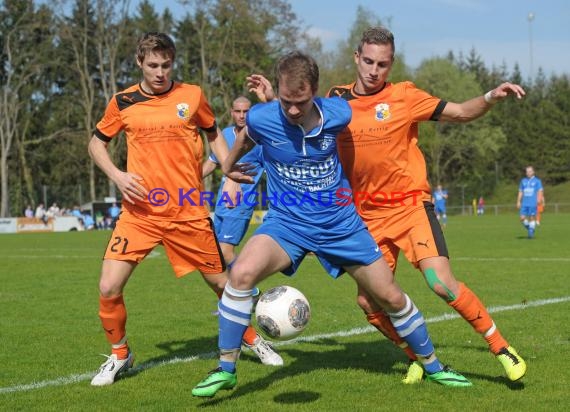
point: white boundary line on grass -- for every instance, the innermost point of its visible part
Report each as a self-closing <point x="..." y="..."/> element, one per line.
<point x="66" y="380"/>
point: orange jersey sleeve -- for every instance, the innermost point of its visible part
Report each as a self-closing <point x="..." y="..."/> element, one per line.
<point x="164" y="147"/>
<point x="379" y="150"/>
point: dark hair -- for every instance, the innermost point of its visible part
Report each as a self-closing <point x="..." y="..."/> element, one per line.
<point x="155" y="42"/>
<point x="377" y="35"/>
<point x="299" y="68"/>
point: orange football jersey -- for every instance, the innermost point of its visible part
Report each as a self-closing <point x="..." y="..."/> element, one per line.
<point x="164" y="147"/>
<point x="379" y="148"/>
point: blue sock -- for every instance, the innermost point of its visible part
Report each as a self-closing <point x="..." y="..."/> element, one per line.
<point x="410" y="326"/>
<point x="233" y="321"/>
<point x="531" y="228"/>
<point x="525" y="223"/>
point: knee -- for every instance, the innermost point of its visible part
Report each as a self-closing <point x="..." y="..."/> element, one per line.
<point x="394" y="300"/>
<point x="390" y="299"/>
<point x="108" y="289"/>
<point x="241" y="277"/>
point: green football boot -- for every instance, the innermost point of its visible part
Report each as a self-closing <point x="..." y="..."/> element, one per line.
<point x="448" y="377"/>
<point x="216" y="380"/>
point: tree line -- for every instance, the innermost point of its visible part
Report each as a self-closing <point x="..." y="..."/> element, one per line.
<point x="63" y="60"/>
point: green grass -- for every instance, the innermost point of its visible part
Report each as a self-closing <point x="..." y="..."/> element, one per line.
<point x="51" y="336"/>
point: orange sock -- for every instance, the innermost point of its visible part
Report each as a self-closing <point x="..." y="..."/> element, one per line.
<point x="249" y="335"/>
<point x="468" y="305"/>
<point x="113" y="315"/>
<point x="381" y="321"/>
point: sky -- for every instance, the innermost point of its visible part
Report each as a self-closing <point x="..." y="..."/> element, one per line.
<point x="499" y="30"/>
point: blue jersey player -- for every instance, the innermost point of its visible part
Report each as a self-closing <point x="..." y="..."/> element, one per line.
<point x="297" y="134"/>
<point x="231" y="219"/>
<point x="530" y="194"/>
<point x="439" y="200"/>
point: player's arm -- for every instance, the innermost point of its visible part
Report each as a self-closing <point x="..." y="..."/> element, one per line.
<point x="478" y="106"/>
<point x="127" y="183"/>
<point x="230" y="166"/>
<point x="218" y="144"/>
<point x="208" y="167"/>
<point x="541" y="198"/>
<point x="219" y="147"/>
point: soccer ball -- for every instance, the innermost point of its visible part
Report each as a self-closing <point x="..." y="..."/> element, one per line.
<point x="282" y="312"/>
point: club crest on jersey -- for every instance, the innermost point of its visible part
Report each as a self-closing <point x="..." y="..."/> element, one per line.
<point x="326" y="142"/>
<point x="183" y="111"/>
<point x="382" y="112"/>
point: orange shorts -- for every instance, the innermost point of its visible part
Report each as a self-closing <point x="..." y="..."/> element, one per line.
<point x="189" y="245"/>
<point x="414" y="230"/>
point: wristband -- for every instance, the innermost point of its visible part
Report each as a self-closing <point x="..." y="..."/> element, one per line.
<point x="489" y="99"/>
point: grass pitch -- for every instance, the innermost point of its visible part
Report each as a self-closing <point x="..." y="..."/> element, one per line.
<point x="51" y="336"/>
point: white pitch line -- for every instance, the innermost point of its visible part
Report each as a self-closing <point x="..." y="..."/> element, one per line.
<point x="66" y="380"/>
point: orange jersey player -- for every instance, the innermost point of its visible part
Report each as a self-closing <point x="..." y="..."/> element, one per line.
<point x="387" y="172"/>
<point x="161" y="191"/>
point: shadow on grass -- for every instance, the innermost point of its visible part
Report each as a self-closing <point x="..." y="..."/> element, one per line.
<point x="290" y="398"/>
<point x="381" y="357"/>
<point x="477" y="352"/>
<point x="175" y="352"/>
<point x="372" y="357"/>
<point x="369" y="356"/>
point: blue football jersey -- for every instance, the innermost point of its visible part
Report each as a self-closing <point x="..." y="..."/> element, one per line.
<point x="439" y="198"/>
<point x="303" y="169"/>
<point x="244" y="205"/>
<point x="530" y="188"/>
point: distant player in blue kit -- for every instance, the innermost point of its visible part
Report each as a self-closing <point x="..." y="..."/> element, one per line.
<point x="297" y="134"/>
<point x="530" y="193"/>
<point x="439" y="200"/>
<point x="231" y="220"/>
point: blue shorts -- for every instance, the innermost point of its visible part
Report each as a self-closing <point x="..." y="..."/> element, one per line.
<point x="333" y="249"/>
<point x="528" y="211"/>
<point x="439" y="210"/>
<point x="229" y="229"/>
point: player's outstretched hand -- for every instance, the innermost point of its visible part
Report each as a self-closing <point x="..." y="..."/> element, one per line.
<point x="506" y="89"/>
<point x="258" y="84"/>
